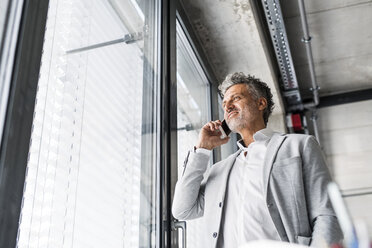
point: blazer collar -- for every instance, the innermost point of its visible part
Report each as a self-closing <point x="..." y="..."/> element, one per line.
<point x="261" y="135"/>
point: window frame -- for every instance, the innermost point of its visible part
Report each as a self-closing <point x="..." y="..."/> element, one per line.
<point x="19" y="116"/>
<point x="202" y="58"/>
<point x="8" y="37"/>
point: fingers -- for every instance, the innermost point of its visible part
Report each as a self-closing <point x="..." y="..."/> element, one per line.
<point x="210" y="136"/>
<point x="218" y="141"/>
<point x="213" y="125"/>
<point x="225" y="140"/>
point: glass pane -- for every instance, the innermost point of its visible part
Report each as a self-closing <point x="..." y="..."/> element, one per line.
<point x="90" y="178"/>
<point x="193" y="111"/>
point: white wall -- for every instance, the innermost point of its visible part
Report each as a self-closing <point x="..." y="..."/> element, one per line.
<point x="346" y="138"/>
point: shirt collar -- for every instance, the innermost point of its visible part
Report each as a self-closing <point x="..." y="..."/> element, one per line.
<point x="261" y="135"/>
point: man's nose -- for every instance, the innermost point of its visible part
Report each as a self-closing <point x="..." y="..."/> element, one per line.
<point x="228" y="107"/>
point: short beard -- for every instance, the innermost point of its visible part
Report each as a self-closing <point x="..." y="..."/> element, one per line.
<point x="236" y="123"/>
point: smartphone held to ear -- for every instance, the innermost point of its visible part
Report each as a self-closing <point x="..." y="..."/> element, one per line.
<point x="224" y="129"/>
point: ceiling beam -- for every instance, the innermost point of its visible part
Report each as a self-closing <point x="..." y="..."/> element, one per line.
<point x="343" y="98"/>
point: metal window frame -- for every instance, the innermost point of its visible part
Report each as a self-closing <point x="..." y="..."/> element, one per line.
<point x="19" y="116"/>
<point x="7" y="54"/>
<point x="167" y="140"/>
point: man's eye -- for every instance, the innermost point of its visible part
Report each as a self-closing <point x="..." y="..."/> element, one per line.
<point x="236" y="98"/>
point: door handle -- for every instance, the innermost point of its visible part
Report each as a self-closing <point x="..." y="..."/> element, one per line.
<point x="180" y="224"/>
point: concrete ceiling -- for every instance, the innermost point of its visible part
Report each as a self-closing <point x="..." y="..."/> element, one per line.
<point x="230" y="37"/>
<point x="341" y="41"/>
<point x="341" y="34"/>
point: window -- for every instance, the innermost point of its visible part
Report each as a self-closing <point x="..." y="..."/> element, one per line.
<point x="91" y="171"/>
<point x="193" y="95"/>
<point x="193" y="111"/>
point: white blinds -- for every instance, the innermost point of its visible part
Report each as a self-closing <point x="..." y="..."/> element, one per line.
<point x="82" y="185"/>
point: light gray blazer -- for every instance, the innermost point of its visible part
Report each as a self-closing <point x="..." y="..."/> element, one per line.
<point x="295" y="180"/>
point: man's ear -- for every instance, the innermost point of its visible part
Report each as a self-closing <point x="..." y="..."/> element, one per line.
<point x="262" y="103"/>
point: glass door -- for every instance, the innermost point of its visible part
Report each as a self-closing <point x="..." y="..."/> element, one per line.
<point x="91" y="173"/>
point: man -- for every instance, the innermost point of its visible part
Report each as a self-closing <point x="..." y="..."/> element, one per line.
<point x="273" y="187"/>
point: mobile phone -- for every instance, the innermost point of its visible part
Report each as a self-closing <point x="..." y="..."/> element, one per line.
<point x="224" y="129"/>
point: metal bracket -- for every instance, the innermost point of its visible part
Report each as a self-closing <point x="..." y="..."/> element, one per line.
<point x="274" y="18"/>
<point x="316" y="88"/>
<point x="131" y="38"/>
<point x="304" y="40"/>
<point x="314" y="115"/>
<point x="180" y="224"/>
<point x="279" y="38"/>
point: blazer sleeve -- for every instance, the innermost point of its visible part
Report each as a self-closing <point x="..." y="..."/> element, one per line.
<point x="325" y="226"/>
<point x="188" y="201"/>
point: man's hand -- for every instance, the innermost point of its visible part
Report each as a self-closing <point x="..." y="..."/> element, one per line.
<point x="209" y="136"/>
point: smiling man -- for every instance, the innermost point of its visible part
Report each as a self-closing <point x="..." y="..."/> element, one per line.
<point x="273" y="187"/>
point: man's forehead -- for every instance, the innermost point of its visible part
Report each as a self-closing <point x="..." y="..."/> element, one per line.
<point x="235" y="89"/>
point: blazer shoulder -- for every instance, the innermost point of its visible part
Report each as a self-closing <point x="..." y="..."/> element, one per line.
<point x="299" y="136"/>
<point x="299" y="141"/>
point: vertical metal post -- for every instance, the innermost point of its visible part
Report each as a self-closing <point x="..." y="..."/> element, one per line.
<point x="307" y="41"/>
<point x="168" y="122"/>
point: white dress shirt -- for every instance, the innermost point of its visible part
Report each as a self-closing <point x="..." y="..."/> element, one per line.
<point x="246" y="216"/>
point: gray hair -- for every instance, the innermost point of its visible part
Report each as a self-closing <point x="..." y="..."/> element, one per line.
<point x="256" y="87"/>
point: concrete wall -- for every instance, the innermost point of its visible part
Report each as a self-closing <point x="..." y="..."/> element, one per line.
<point x="346" y="137"/>
<point x="276" y="122"/>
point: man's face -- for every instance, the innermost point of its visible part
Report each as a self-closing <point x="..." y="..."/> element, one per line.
<point x="241" y="110"/>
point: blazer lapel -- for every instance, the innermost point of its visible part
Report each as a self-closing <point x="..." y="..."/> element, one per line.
<point x="272" y="149"/>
